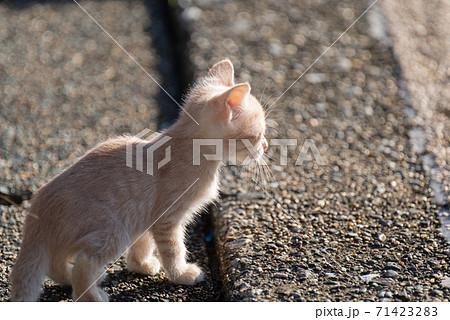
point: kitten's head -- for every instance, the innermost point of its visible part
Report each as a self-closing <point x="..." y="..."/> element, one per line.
<point x="225" y="110"/>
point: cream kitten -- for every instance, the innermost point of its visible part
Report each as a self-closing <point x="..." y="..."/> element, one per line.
<point x="88" y="215"/>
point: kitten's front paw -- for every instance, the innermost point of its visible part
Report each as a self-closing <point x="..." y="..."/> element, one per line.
<point x="191" y="275"/>
<point x="150" y="266"/>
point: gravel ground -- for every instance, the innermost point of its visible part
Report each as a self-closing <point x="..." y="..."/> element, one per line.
<point x="363" y="227"/>
<point x="65" y="86"/>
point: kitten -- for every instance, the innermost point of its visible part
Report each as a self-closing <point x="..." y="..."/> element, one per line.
<point x="88" y="215"/>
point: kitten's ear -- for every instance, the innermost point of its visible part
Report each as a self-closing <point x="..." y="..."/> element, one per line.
<point x="231" y="100"/>
<point x="224" y="72"/>
<point x="237" y="95"/>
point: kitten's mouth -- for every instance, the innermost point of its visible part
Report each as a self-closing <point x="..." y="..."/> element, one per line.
<point x="257" y="154"/>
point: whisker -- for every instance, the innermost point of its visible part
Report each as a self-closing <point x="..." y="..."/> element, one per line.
<point x="255" y="174"/>
<point x="262" y="168"/>
<point x="258" y="176"/>
<point x="270" y="110"/>
<point x="268" y="158"/>
<point x="268" y="99"/>
<point x="275" y="129"/>
<point x="271" y="123"/>
<point x="266" y="167"/>
<point x="262" y="94"/>
<point x="269" y="172"/>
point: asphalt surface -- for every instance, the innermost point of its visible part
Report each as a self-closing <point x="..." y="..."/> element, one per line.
<point x="66" y="86"/>
<point x="364" y="226"/>
<point x="422" y="45"/>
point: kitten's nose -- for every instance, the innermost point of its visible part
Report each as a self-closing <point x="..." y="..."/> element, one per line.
<point x="265" y="144"/>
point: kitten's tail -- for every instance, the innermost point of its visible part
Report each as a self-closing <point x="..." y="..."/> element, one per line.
<point x="29" y="271"/>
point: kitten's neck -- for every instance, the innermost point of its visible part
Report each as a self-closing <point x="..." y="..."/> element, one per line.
<point x="183" y="129"/>
<point x="197" y="158"/>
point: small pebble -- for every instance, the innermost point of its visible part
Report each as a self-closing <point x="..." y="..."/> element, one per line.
<point x="382" y="237"/>
<point x="391" y="274"/>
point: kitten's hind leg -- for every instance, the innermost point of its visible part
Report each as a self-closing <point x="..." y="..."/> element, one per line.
<point x="61" y="270"/>
<point x="86" y="275"/>
<point x="169" y="240"/>
<point x="98" y="248"/>
<point x="141" y="256"/>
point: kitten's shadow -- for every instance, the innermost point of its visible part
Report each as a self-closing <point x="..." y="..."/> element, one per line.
<point x="122" y="286"/>
<point x="53" y="292"/>
<point x="126" y="286"/>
